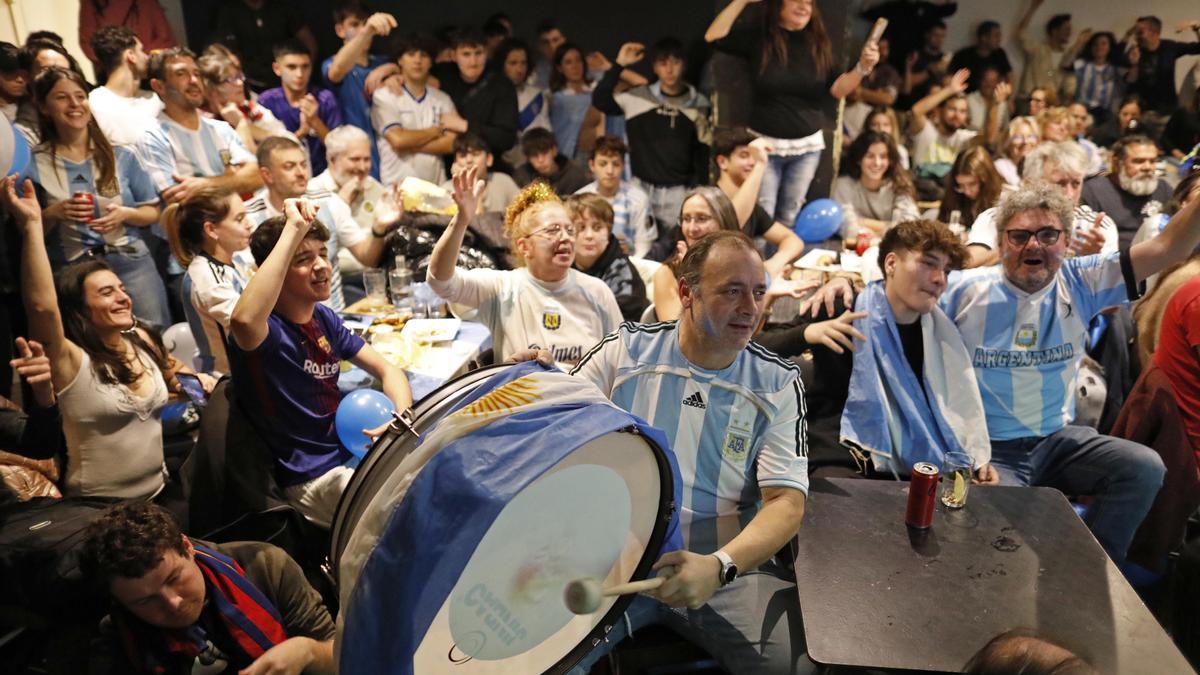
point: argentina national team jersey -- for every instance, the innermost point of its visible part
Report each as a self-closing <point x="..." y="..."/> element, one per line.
<point x="1026" y="347"/>
<point x="59" y="179"/>
<point x="168" y="149"/>
<point x="734" y="431"/>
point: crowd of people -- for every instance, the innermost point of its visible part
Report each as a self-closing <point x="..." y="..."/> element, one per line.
<point x="1014" y="220"/>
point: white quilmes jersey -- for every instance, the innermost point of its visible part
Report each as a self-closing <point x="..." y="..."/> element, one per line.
<point x="344" y="232"/>
<point x="567" y="318"/>
<point x="1026" y="347"/>
<point x="408" y="112"/>
<point x="734" y="431"/>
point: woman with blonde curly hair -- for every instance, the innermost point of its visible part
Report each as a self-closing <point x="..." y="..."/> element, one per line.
<point x="544" y="304"/>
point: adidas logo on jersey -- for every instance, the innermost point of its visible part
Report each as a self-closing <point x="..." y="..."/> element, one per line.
<point x="696" y="401"/>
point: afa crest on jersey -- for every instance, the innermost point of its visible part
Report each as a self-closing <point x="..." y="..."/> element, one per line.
<point x="1026" y="336"/>
<point x="735" y="447"/>
<point x="552" y="319"/>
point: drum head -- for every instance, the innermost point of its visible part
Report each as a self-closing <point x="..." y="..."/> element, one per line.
<point x="592" y="497"/>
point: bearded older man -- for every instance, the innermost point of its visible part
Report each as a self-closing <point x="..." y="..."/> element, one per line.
<point x="1133" y="191"/>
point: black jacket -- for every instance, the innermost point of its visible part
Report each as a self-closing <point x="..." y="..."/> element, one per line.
<point x="614" y="268"/>
<point x="566" y="180"/>
<point x="489" y="105"/>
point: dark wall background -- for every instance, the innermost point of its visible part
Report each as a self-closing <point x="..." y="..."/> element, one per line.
<point x="598" y="25"/>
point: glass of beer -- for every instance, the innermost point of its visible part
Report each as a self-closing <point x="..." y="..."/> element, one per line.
<point x="957" y="470"/>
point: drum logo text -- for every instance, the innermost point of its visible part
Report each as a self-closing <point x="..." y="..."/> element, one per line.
<point x="551" y="319"/>
<point x="495" y="614"/>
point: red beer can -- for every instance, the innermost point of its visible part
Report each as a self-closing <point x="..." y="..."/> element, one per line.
<point x="922" y="490"/>
<point x="87" y="196"/>
<point x="864" y="243"/>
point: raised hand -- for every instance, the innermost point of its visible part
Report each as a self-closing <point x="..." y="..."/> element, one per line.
<point x="381" y="23"/>
<point x="1002" y="92"/>
<point x="25" y="208"/>
<point x="468" y="190"/>
<point x="630" y="53"/>
<point x="869" y="57"/>
<point x="958" y="81"/>
<point x="300" y="212"/>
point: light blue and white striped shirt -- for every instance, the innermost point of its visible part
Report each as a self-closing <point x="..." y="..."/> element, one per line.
<point x="60" y="178"/>
<point x="734" y="431"/>
<point x="1095" y="84"/>
<point x="168" y="149"/>
<point x="631" y="217"/>
<point x="1026" y="347"/>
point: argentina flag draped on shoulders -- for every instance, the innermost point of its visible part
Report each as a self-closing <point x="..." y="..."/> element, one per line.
<point x="408" y="553"/>
<point x="898" y="417"/>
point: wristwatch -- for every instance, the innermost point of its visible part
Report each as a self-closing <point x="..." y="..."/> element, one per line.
<point x="729" y="570"/>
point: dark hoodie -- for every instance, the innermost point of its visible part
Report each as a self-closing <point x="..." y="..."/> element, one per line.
<point x="566" y="180"/>
<point x="614" y="268"/>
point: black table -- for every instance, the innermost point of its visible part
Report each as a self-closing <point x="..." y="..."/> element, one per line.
<point x="875" y="594"/>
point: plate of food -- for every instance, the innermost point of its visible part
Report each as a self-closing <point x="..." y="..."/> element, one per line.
<point x="819" y="259"/>
<point x="431" y="330"/>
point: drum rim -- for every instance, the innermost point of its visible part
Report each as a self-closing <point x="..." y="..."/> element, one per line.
<point x="338" y="536"/>
<point x="421" y="412"/>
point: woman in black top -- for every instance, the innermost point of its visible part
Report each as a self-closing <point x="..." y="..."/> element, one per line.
<point x="792" y="71"/>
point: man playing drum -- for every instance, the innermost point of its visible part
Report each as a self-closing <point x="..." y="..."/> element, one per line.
<point x="734" y="414"/>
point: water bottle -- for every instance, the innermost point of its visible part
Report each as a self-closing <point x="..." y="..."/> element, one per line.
<point x="400" y="286"/>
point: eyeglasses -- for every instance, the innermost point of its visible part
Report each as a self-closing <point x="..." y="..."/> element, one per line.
<point x="235" y="81"/>
<point x="1047" y="236"/>
<point x="554" y="232"/>
<point x="697" y="218"/>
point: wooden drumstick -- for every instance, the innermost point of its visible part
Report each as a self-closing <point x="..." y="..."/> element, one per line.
<point x="583" y="596"/>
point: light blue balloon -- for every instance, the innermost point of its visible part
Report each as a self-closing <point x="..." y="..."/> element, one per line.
<point x="818" y="221"/>
<point x="362" y="409"/>
<point x="14" y="150"/>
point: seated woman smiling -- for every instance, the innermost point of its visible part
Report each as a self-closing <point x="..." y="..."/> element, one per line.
<point x="544" y="304"/>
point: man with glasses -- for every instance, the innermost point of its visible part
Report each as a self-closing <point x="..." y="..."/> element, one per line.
<point x="1063" y="164"/>
<point x="1025" y="325"/>
<point x="544" y="303"/>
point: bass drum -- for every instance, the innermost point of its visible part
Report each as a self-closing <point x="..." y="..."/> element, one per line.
<point x="454" y="541"/>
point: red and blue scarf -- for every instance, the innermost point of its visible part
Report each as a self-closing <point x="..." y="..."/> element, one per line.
<point x="248" y="617"/>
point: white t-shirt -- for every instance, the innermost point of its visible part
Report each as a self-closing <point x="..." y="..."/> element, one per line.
<point x="983" y="230"/>
<point x="124" y="119"/>
<point x="930" y="146"/>
<point x="408" y="112"/>
<point x="734" y="431"/>
<point x="568" y="317"/>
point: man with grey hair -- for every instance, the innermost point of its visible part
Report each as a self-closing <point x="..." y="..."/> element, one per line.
<point x="1063" y="164"/>
<point x="1132" y="192"/>
<point x="1025" y="324"/>
<point x="348" y="150"/>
